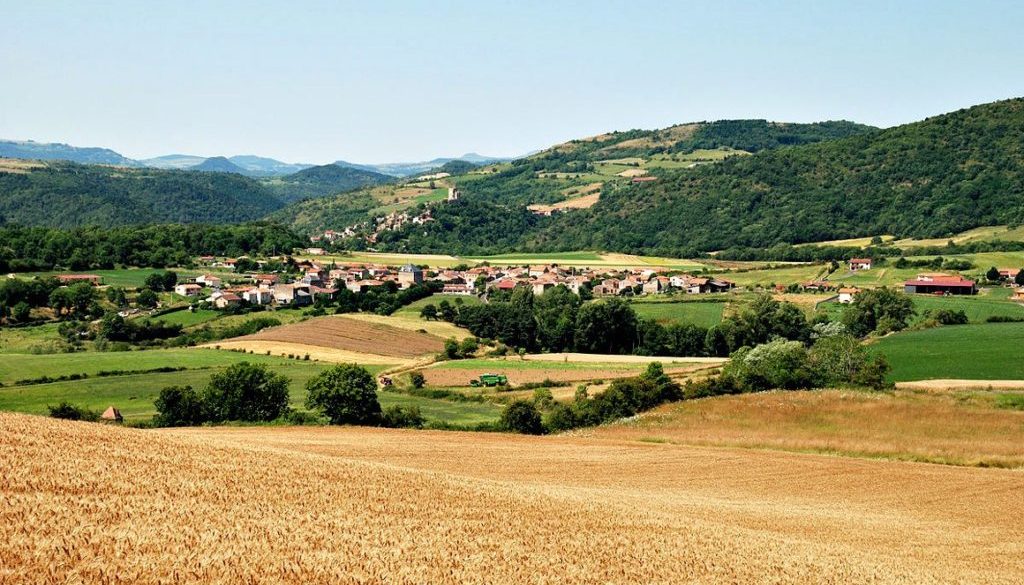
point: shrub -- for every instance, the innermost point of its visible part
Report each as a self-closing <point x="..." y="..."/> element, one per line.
<point x="346" y="394"/>
<point x="397" y="417"/>
<point x="68" y="411"/>
<point x="522" y="417"/>
<point x="417" y="379"/>
<point x="179" y="406"/>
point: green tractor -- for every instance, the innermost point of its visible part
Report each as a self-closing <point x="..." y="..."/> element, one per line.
<point x="489" y="380"/>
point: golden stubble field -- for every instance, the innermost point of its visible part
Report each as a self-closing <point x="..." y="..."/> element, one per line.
<point x="82" y="502"/>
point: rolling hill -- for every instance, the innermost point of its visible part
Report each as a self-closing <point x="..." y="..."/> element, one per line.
<point x="218" y="164"/>
<point x="64" y="194"/>
<point x="29" y="149"/>
<point x="803" y="183"/>
<point x="323" y="180"/>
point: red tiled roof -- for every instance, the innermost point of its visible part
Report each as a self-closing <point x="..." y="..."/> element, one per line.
<point x="941" y="281"/>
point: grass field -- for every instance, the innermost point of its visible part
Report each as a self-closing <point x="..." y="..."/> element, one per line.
<point x="991" y="351"/>
<point x="136" y="277"/>
<point x="25" y="339"/>
<point x="93" y="503"/>
<point x="779" y="275"/>
<point x="20" y="366"/>
<point x="978" y="308"/>
<point x="696" y="313"/>
<point x="189" y="318"/>
<point x="414" y="308"/>
<point x="962" y="428"/>
<point x="134" y="394"/>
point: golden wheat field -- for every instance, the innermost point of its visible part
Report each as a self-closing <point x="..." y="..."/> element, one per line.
<point x="83" y="502"/>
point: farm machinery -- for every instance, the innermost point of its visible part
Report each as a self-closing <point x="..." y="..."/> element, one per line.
<point x="489" y="380"/>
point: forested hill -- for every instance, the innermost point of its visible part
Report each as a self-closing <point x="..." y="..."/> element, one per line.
<point x="64" y="194"/>
<point x="745" y="135"/>
<point x="927" y="179"/>
<point x="323" y="180"/>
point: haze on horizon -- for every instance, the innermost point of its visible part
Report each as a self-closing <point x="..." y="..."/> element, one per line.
<point x="400" y="81"/>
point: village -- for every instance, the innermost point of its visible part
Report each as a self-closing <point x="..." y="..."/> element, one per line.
<point x="308" y="280"/>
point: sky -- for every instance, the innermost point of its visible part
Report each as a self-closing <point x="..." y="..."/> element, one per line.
<point x="314" y="82"/>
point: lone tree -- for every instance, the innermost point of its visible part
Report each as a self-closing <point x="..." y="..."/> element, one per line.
<point x="347" y="394"/>
<point x="993" y="275"/>
<point x="248" y="392"/>
<point x="1019" y="279"/>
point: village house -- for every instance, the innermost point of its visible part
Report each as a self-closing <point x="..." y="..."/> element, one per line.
<point x="260" y="295"/>
<point x="860" y="264"/>
<point x="265" y="279"/>
<point x="846" y="294"/>
<point x="295" y="295"/>
<point x="188" y="289"/>
<point x="940" y="284"/>
<point x="223" y="300"/>
<point x="328" y="292"/>
<point x="410" y="275"/>
<point x="209" y="280"/>
<point x="458" y="289"/>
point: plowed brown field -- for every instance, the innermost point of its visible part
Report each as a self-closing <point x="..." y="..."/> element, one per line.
<point x="83" y="502"/>
<point x="351" y="335"/>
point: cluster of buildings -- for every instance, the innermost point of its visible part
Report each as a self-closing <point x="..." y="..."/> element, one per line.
<point x="318" y="280"/>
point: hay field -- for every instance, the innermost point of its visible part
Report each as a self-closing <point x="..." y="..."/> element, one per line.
<point x="950" y="427"/>
<point x="348" y="335"/>
<point x="91" y="503"/>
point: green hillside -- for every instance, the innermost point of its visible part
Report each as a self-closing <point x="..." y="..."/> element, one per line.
<point x="64" y="194"/>
<point x="927" y="179"/>
<point x="323" y="180"/>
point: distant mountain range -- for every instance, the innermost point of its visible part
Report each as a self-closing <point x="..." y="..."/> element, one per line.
<point x="249" y="165"/>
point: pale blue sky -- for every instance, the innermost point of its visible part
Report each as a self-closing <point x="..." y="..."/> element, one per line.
<point x="388" y="81"/>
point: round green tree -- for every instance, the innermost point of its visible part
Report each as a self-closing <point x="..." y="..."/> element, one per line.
<point x="247" y="392"/>
<point x="346" y="394"/>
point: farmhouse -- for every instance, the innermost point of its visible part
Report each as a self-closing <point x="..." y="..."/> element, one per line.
<point x="188" y="290"/>
<point x="860" y="264"/>
<point x="846" y="295"/>
<point x="940" y="284"/>
<point x="92" y="279"/>
<point x="1008" y="273"/>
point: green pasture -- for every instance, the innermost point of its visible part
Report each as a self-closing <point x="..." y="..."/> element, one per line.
<point x="990" y="351"/>
<point x="705" y="314"/>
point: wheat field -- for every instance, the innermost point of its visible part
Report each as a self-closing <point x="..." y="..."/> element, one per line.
<point x="82" y="502"/>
